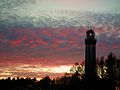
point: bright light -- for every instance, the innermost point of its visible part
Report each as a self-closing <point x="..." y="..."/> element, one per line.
<point x="61" y="69"/>
<point x="90" y="34"/>
<point x="56" y="69"/>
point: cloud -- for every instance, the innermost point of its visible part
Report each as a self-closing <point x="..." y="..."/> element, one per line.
<point x="58" y="19"/>
<point x="48" y="44"/>
<point x="54" y="40"/>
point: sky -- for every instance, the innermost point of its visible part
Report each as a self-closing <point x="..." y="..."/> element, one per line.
<point x="46" y="37"/>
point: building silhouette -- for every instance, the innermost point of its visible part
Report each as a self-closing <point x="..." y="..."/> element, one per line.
<point x="90" y="55"/>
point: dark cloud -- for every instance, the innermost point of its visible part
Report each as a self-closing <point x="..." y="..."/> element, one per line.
<point x="52" y="44"/>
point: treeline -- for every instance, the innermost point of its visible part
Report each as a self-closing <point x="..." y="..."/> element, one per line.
<point x="108" y="78"/>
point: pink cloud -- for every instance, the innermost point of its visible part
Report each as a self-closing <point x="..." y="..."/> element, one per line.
<point x="33" y="45"/>
<point x="41" y="42"/>
<point x="15" y="42"/>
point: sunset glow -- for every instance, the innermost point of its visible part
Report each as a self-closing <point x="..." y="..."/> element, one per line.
<point x="13" y="71"/>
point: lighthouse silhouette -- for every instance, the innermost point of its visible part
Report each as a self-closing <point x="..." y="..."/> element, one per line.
<point x="90" y="55"/>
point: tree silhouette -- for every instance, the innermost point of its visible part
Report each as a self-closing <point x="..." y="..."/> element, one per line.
<point x="110" y="64"/>
<point x="45" y="83"/>
<point x="117" y="73"/>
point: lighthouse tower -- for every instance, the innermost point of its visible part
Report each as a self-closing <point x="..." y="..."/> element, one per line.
<point x="90" y="55"/>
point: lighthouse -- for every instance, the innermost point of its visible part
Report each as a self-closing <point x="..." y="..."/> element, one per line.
<point x="90" y="55"/>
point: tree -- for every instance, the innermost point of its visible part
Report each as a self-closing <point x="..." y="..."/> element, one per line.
<point x="77" y="70"/>
<point x="45" y="83"/>
<point x="101" y="68"/>
<point x="110" y="64"/>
